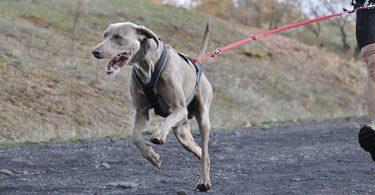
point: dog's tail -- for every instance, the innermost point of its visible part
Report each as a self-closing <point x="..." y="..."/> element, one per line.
<point x="203" y="46"/>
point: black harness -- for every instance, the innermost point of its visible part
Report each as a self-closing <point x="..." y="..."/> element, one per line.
<point x="149" y="88"/>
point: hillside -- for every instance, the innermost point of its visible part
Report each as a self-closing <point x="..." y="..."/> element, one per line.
<point x="54" y="89"/>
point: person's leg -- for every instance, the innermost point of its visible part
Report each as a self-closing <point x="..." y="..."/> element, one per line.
<point x="366" y="135"/>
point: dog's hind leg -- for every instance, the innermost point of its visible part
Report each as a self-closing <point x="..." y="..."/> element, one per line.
<point x="203" y="101"/>
<point x="184" y="136"/>
<point x="139" y="123"/>
<point x="203" y="120"/>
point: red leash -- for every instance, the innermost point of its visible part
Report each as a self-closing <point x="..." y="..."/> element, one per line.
<point x="268" y="33"/>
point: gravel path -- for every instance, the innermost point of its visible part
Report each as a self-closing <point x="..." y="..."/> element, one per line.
<point x="314" y="158"/>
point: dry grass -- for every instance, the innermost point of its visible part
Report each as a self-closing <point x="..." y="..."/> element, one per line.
<point x="45" y="96"/>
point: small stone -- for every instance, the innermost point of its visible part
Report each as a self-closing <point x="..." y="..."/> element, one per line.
<point x="105" y="165"/>
<point x="123" y="184"/>
<point x="19" y="172"/>
<point x="297" y="179"/>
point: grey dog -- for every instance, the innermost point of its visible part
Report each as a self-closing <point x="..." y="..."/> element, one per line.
<point x="134" y="45"/>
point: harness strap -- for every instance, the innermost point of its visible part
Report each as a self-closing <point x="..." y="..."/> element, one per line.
<point x="199" y="70"/>
<point x="149" y="88"/>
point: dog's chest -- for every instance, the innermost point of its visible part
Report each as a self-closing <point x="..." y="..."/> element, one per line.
<point x="163" y="92"/>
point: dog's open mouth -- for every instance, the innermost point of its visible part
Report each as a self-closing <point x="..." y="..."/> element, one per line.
<point x="117" y="62"/>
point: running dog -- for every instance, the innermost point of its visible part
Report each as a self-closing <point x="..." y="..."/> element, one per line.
<point x="164" y="80"/>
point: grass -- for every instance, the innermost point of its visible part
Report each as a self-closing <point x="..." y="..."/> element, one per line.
<point x="50" y="93"/>
<point x="329" y="38"/>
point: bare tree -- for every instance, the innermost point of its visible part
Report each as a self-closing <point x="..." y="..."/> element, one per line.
<point x="272" y="13"/>
<point x="254" y="10"/>
<point x="275" y="16"/>
<point x="339" y="22"/>
<point x="317" y="27"/>
<point x="77" y="15"/>
<point x="217" y="7"/>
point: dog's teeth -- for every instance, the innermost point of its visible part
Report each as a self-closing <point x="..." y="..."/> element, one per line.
<point x="115" y="72"/>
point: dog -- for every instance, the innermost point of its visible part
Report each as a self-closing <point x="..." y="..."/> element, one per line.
<point x="178" y="92"/>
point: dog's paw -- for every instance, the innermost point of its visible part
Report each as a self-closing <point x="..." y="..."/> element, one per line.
<point x="203" y="187"/>
<point x="157" y="141"/>
<point x="158" y="164"/>
<point x="155" y="160"/>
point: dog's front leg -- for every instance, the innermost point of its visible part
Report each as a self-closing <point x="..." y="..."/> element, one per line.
<point x="179" y="116"/>
<point x="139" y="123"/>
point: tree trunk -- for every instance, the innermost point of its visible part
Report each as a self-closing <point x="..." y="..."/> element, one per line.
<point x="344" y="39"/>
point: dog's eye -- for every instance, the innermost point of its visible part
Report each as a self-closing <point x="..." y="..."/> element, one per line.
<point x="117" y="37"/>
<point x="105" y="34"/>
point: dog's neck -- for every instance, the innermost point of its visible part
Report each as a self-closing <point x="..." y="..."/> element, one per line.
<point x="145" y="60"/>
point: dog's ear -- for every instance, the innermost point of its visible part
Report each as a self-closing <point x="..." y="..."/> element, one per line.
<point x="148" y="34"/>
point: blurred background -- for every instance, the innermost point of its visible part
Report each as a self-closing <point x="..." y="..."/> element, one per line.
<point x="53" y="89"/>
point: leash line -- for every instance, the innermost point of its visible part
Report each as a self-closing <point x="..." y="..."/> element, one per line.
<point x="277" y="30"/>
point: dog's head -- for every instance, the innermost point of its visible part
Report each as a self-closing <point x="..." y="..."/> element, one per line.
<point x="120" y="43"/>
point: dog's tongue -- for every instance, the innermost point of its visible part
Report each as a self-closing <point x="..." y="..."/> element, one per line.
<point x="112" y="66"/>
<point x="112" y="69"/>
<point x="116" y="63"/>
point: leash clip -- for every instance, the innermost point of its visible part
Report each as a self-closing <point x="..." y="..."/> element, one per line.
<point x="216" y="51"/>
<point x="350" y="11"/>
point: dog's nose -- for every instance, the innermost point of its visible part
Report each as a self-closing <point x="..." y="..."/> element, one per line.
<point x="97" y="53"/>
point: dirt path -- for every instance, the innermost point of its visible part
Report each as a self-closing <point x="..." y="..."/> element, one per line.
<point x="313" y="158"/>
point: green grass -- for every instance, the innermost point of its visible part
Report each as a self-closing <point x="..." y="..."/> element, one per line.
<point x="16" y="143"/>
<point x="50" y="93"/>
<point x="75" y="140"/>
<point x="329" y="38"/>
